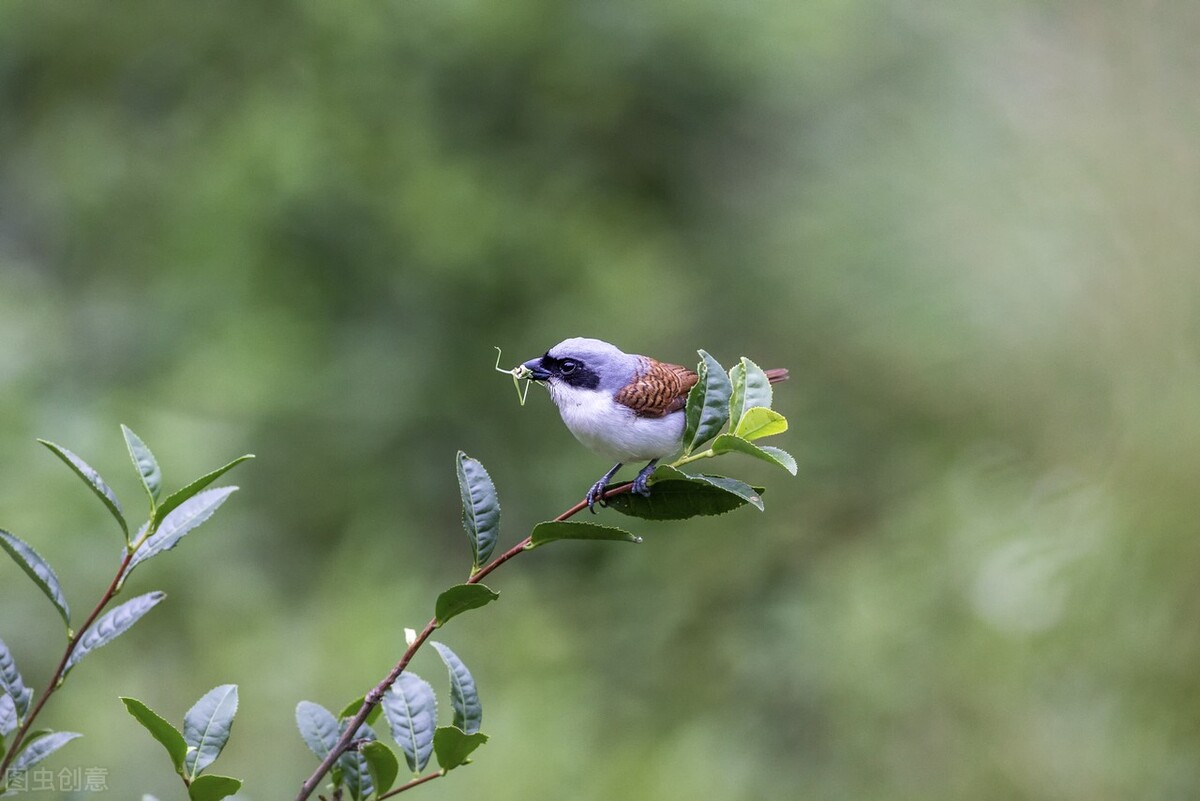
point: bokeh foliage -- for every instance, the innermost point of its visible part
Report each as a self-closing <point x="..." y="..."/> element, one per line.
<point x="298" y="229"/>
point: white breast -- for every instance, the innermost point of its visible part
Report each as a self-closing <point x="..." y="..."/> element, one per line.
<point x="613" y="430"/>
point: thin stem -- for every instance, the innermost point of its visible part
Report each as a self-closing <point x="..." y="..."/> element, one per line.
<point x="426" y="778"/>
<point x="695" y="457"/>
<point x="56" y="678"/>
<point x="373" y="698"/>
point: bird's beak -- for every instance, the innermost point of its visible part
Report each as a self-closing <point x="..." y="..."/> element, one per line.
<point x="536" y="371"/>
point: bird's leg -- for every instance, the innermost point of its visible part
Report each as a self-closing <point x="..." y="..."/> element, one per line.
<point x="641" y="484"/>
<point x="596" y="493"/>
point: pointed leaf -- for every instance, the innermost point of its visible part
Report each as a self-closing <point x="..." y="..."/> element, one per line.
<point x="11" y="683"/>
<point x="381" y="764"/>
<point x="356" y="775"/>
<point x="37" y="569"/>
<point x="737" y="392"/>
<point x="481" y="507"/>
<point x="206" y="727"/>
<point x="411" y="710"/>
<point x="93" y="480"/>
<point x="461" y="598"/>
<point x="146" y="464"/>
<point x="317" y="726"/>
<point x="179" y="496"/>
<point x="351" y="709"/>
<point x="675" y="500"/>
<point x="675" y="495"/>
<point x="112" y="625"/>
<point x="453" y="746"/>
<point x="751" y="388"/>
<point x="785" y="459"/>
<point x="213" y="788"/>
<point x="553" y="530"/>
<point x="728" y="443"/>
<point x="36" y="750"/>
<point x="734" y="487"/>
<point x="183" y="520"/>
<point x="468" y="712"/>
<point x="707" y="408"/>
<point x="8" y="718"/>
<point x="160" y="730"/>
<point x="758" y="422"/>
<point x="694" y="407"/>
<point x="30" y="737"/>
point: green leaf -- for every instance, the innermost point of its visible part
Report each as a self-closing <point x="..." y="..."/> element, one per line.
<point x="206" y="727"/>
<point x="728" y="443"/>
<point x="675" y="495"/>
<point x="179" y="496"/>
<point x="381" y="764"/>
<point x="351" y="709"/>
<point x="11" y="683"/>
<point x="675" y="500"/>
<point x="707" y="408"/>
<point x="734" y="487"/>
<point x="213" y="788"/>
<point x="317" y="726"/>
<point x="481" y="508"/>
<point x="38" y="570"/>
<point x="35" y="750"/>
<point x="356" y="775"/>
<point x="112" y="625"/>
<point x="785" y="459"/>
<point x="146" y="464"/>
<point x="751" y="388"/>
<point x="411" y="710"/>
<point x="553" y="530"/>
<point x="30" y="736"/>
<point x="453" y="746"/>
<point x="8" y="718"/>
<point x="462" y="598"/>
<point x="160" y="729"/>
<point x="93" y="480"/>
<point x="759" y="422"/>
<point x="464" y="698"/>
<point x="737" y="392"/>
<point x="190" y="514"/>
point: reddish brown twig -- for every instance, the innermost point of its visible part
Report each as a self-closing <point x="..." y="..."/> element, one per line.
<point x="376" y="694"/>
<point x="57" y="676"/>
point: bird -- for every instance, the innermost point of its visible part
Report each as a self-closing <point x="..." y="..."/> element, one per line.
<point x="623" y="406"/>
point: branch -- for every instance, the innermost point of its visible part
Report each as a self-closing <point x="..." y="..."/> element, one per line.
<point x="376" y="694"/>
<point x="426" y="778"/>
<point x="57" y="677"/>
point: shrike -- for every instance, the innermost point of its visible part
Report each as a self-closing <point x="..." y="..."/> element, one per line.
<point x="622" y="406"/>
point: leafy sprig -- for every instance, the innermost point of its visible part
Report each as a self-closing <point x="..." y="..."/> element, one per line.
<point x="726" y="412"/>
<point x="167" y="523"/>
<point x="206" y="729"/>
<point x="729" y="409"/>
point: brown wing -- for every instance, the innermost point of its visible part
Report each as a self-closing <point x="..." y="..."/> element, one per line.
<point x="658" y="388"/>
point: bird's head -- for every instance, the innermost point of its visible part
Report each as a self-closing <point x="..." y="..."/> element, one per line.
<point x="583" y="364"/>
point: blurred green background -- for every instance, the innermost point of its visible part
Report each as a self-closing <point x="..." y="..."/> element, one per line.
<point x="969" y="229"/>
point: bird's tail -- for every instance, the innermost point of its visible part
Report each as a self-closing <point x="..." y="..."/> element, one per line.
<point x="777" y="375"/>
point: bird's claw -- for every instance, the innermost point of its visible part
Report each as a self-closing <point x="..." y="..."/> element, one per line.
<point x="641" y="485"/>
<point x="596" y="495"/>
